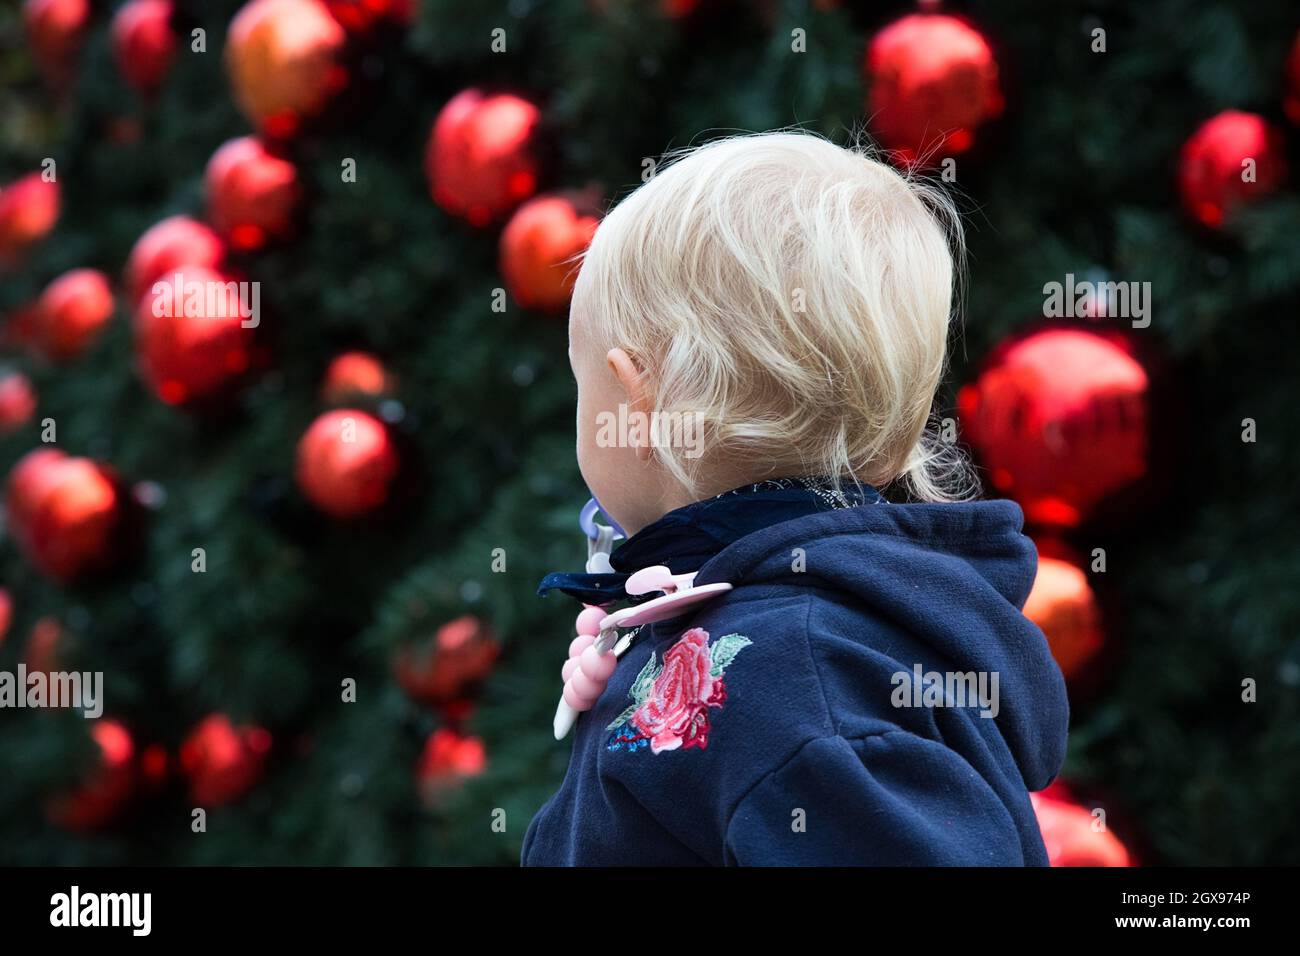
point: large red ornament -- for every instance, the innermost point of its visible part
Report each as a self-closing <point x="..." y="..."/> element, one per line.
<point x="480" y="158"/>
<point x="1291" y="103"/>
<point x="1059" y="419"/>
<point x="252" y="194"/>
<point x="29" y="208"/>
<point x="222" y="762"/>
<point x="165" y="247"/>
<point x="362" y="16"/>
<point x="1072" y="835"/>
<point x="346" y="463"/>
<point x="537" y="250"/>
<point x="17" y="401"/>
<point x="354" y="374"/>
<point x="144" y="43"/>
<point x="193" y="337"/>
<point x="1063" y="605"/>
<point x="55" y="30"/>
<point x="105" y="793"/>
<point x="65" y="513"/>
<point x="460" y="656"/>
<point x="932" y="82"/>
<point x="1231" y="160"/>
<point x="448" y="759"/>
<point x="72" y="312"/>
<point x="283" y="61"/>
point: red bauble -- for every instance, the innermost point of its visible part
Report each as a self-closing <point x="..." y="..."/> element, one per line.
<point x="55" y="30"/>
<point x="164" y="248"/>
<point x="448" y="759"/>
<point x="17" y="401"/>
<point x="102" y="797"/>
<point x="190" y="337"/>
<point x="480" y="157"/>
<point x="932" y="81"/>
<point x="29" y="208"/>
<point x="1063" y="605"/>
<point x="144" y="43"/>
<point x="1072" y="835"/>
<point x="222" y="762"/>
<point x="72" y="312"/>
<point x="1223" y="150"/>
<point x="283" y="61"/>
<point x="355" y="374"/>
<point x="6" y="613"/>
<point x="460" y="656"/>
<point x="537" y="249"/>
<point x="362" y="16"/>
<point x="252" y="194"/>
<point x="1059" y="419"/>
<point x="65" y="513"/>
<point x="1292" y="101"/>
<point x="346" y="463"/>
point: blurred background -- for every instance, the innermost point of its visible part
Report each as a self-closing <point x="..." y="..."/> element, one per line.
<point x="304" y="554"/>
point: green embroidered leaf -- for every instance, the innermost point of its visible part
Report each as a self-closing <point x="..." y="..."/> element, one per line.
<point x="622" y="718"/>
<point x="645" y="680"/>
<point x="724" y="651"/>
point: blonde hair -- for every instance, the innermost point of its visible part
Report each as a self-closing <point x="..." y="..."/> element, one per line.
<point x="795" y="296"/>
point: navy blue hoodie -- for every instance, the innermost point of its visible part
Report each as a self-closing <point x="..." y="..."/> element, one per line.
<point x="780" y="724"/>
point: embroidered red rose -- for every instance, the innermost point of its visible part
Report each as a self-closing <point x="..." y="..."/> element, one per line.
<point x="672" y="702"/>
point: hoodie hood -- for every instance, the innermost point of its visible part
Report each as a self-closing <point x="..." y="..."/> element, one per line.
<point x="954" y="577"/>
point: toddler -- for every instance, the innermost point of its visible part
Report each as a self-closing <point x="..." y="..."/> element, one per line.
<point x="867" y="691"/>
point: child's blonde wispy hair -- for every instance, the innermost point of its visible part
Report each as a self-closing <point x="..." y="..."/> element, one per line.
<point x="795" y="297"/>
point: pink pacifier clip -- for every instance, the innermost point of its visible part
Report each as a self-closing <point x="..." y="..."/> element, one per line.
<point x="592" y="657"/>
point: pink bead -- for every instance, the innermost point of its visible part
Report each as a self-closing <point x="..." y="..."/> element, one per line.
<point x="588" y="621"/>
<point x="596" y="665"/>
<point x="585" y="686"/>
<point x="580" y="644"/>
<point x="569" y="667"/>
<point x="574" y="699"/>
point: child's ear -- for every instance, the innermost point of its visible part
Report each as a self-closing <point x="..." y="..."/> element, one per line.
<point x="632" y="379"/>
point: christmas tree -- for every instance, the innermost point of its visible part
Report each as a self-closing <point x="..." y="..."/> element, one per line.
<point x="332" y="645"/>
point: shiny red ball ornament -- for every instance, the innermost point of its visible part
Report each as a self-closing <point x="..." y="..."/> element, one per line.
<point x="283" y="60"/>
<point x="1073" y="835"/>
<point x="17" y="401"/>
<point x="445" y="669"/>
<point x="354" y="374"/>
<point x="1291" y="102"/>
<point x="65" y="513"/>
<point x="1064" y="607"/>
<point x="449" y="758"/>
<point x="346" y="463"/>
<point x="932" y="82"/>
<point x="55" y="31"/>
<point x="362" y="16"/>
<point x="252" y="194"/>
<point x="71" y="313"/>
<point x="537" y="250"/>
<point x="1232" y="159"/>
<point x="1059" y="419"/>
<point x="165" y="247"/>
<point x="6" y="613"/>
<point x="194" y="337"/>
<point x="221" y="761"/>
<point x="106" y="792"/>
<point x="29" y="208"/>
<point x="144" y="43"/>
<point x="480" y="158"/>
